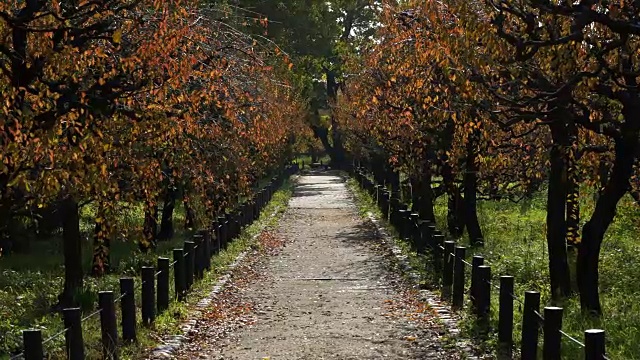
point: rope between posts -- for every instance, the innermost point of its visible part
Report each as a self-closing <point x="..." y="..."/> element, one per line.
<point x="91" y="315"/>
<point x="117" y="300"/>
<point x="514" y="297"/>
<point x="55" y="335"/>
<point x="173" y="263"/>
<point x="572" y="338"/>
<point x="539" y="315"/>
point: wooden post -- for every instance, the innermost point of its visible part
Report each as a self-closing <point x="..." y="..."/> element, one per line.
<point x="458" y="277"/>
<point x="222" y="221"/>
<point x="189" y="263"/>
<point x="414" y="231"/>
<point x="530" y="325"/>
<point x="402" y="223"/>
<point x="256" y="207"/>
<point x="215" y="241"/>
<point x="230" y="227"/>
<point x="422" y="236"/>
<point x="206" y="257"/>
<point x="72" y="319"/>
<point x="385" y="204"/>
<point x="198" y="240"/>
<point x="108" y="325"/>
<point x="476" y="261"/>
<point x="551" y="329"/>
<point x="128" y="309"/>
<point x="437" y="255"/>
<point x="163" y="284"/>
<point x="148" y="295"/>
<point x="32" y="344"/>
<point x="594" y="344"/>
<point x="179" y="276"/>
<point x="484" y="292"/>
<point x="505" y="316"/>
<point x="430" y="240"/>
<point x="447" y="274"/>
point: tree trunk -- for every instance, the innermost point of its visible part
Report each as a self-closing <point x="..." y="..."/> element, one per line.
<point x="190" y="215"/>
<point x="150" y="227"/>
<point x="560" y="280"/>
<point x="455" y="221"/>
<point x="470" y="191"/>
<point x="72" y="250"/>
<point x="337" y="152"/>
<point x="593" y="231"/>
<point x="377" y="167"/>
<point x="101" y="244"/>
<point x="393" y="180"/>
<point x="166" y="224"/>
<point x="422" y="201"/>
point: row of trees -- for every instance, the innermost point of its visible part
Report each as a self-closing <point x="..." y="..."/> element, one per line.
<point x="500" y="99"/>
<point x="126" y="101"/>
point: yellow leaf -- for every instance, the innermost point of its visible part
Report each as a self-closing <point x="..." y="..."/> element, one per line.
<point x="117" y="36"/>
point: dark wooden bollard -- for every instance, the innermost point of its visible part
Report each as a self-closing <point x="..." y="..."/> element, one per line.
<point x="458" y="277"/>
<point x="422" y="236"/>
<point x="405" y="223"/>
<point x="447" y="273"/>
<point x="551" y="329"/>
<point x="505" y="316"/>
<point x="430" y="240"/>
<point x="230" y="225"/>
<point x="530" y="325"/>
<point x="473" y="291"/>
<point x="437" y="254"/>
<point x="108" y="325"/>
<point x="163" y="284"/>
<point x="72" y="319"/>
<point x="256" y="207"/>
<point x="215" y="238"/>
<point x="414" y="230"/>
<point x="198" y="240"/>
<point x="32" y="344"/>
<point x="206" y="241"/>
<point x="148" y="295"/>
<point x="179" y="276"/>
<point x="189" y="262"/>
<point x="594" y="345"/>
<point x="484" y="292"/>
<point x="222" y="222"/>
<point x="128" y="309"/>
<point x="386" y="203"/>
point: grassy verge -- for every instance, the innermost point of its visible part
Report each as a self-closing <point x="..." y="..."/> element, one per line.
<point x="515" y="244"/>
<point x="29" y="284"/>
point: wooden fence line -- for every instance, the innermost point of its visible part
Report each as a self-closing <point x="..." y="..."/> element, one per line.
<point x="189" y="264"/>
<point x="450" y="268"/>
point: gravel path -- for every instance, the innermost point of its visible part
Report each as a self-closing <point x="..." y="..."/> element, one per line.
<point x="329" y="293"/>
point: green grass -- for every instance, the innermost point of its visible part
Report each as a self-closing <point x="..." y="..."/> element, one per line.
<point x="30" y="283"/>
<point x="515" y="245"/>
